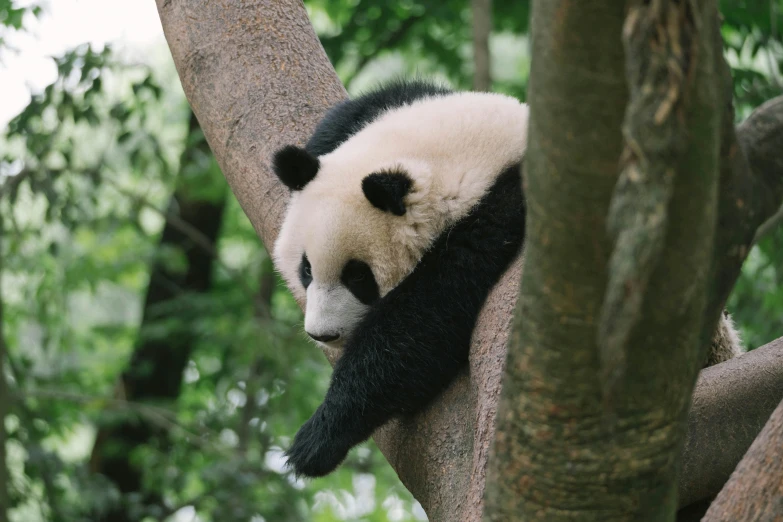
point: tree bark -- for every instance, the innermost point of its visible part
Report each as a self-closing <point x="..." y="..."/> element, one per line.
<point x="731" y="404"/>
<point x="154" y="372"/>
<point x="609" y="336"/>
<point x="258" y="78"/>
<point x="755" y="489"/>
<point x="482" y="60"/>
<point x="566" y="446"/>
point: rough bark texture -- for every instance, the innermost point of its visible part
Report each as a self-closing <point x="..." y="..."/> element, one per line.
<point x="562" y="451"/>
<point x="482" y="60"/>
<point x="755" y="489"/>
<point x="257" y="77"/>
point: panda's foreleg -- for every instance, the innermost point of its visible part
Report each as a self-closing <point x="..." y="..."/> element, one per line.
<point x="415" y="340"/>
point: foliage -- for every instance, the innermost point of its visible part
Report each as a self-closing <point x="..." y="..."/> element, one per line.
<point x="757" y="299"/>
<point x="12" y="17"/>
<point x="752" y="40"/>
<point x="419" y="37"/>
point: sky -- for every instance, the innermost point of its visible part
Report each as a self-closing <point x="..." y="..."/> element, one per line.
<point x="132" y="26"/>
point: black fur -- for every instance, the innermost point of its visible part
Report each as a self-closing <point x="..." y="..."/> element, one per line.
<point x="387" y="190"/>
<point x="347" y="118"/>
<point x="305" y="272"/>
<point x="295" y="166"/>
<point x="357" y="277"/>
<point x="414" y="341"/>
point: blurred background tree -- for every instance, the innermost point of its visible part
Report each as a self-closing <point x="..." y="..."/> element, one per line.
<point x="153" y="364"/>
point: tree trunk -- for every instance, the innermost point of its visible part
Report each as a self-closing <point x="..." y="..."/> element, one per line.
<point x="589" y="428"/>
<point x="482" y="28"/>
<point x="154" y="373"/>
<point x="258" y="78"/>
<point x="611" y="329"/>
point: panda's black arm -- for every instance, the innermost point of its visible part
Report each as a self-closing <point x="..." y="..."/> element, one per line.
<point x="414" y="341"/>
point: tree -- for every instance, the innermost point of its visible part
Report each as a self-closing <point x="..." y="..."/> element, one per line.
<point x="482" y="26"/>
<point x="256" y="89"/>
<point x="613" y="328"/>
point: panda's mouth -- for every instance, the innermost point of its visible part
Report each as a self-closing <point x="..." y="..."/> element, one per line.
<point x="335" y="347"/>
<point x="325" y="338"/>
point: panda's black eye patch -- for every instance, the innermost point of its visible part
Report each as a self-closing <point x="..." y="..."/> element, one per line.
<point x="358" y="278"/>
<point x="305" y="272"/>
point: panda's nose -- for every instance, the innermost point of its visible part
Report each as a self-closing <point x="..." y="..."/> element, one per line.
<point x="324" y="338"/>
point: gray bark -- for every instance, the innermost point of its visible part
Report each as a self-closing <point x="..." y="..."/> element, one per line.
<point x="755" y="490"/>
<point x="482" y="60"/>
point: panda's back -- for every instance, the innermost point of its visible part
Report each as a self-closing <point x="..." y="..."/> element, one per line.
<point x="348" y="117"/>
<point x="455" y="145"/>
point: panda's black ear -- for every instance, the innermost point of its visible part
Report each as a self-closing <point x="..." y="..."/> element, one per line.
<point x="387" y="190"/>
<point x="295" y="166"/>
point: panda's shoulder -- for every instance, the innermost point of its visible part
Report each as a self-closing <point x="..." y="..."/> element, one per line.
<point x="348" y="117"/>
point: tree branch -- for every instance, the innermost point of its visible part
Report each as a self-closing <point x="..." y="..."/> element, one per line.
<point x="482" y="28"/>
<point x="731" y="404"/>
<point x="389" y="41"/>
<point x="755" y="490"/>
<point x="268" y="84"/>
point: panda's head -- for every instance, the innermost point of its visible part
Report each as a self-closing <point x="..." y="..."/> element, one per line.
<point x="382" y="177"/>
<point x="356" y="226"/>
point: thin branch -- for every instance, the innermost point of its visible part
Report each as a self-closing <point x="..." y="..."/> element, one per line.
<point x="482" y="28"/>
<point x="389" y="42"/>
<point x="769" y="226"/>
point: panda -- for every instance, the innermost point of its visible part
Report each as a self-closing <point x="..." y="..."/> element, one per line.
<point x="406" y="208"/>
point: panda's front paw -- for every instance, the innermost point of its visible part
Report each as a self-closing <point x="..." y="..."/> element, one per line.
<point x="318" y="448"/>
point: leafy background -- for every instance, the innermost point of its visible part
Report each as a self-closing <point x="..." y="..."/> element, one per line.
<point x="154" y="365"/>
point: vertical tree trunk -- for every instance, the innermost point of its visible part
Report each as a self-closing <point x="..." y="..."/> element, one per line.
<point x="592" y="420"/>
<point x="155" y="369"/>
<point x="482" y="28"/>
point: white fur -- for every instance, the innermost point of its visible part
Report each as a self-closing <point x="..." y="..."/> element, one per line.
<point x="726" y="341"/>
<point x="453" y="147"/>
<point x="332" y="310"/>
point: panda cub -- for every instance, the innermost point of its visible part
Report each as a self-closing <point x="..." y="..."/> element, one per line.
<point x="406" y="209"/>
